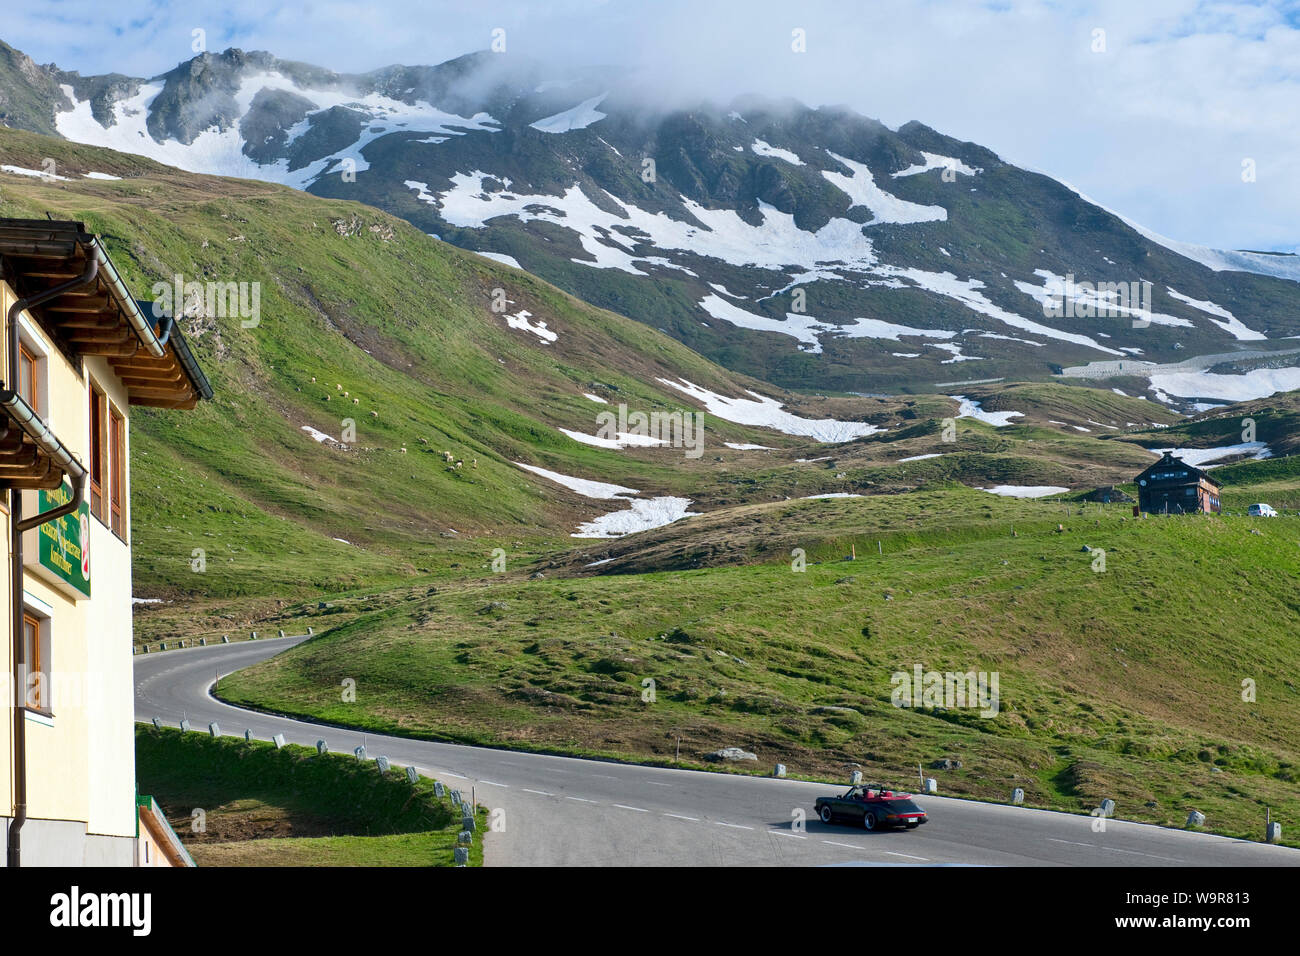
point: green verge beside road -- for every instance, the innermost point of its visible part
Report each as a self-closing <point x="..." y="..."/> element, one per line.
<point x="245" y="803"/>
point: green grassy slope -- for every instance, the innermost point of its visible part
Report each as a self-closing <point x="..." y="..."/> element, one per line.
<point x="363" y="318"/>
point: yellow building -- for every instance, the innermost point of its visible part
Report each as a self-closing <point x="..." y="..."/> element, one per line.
<point x="78" y="353"/>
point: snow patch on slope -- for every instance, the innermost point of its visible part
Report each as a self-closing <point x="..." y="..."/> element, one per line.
<point x="1026" y="491"/>
<point x="610" y="238"/>
<point x="936" y="161"/>
<point x="623" y="440"/>
<point x="1087" y="302"/>
<point x="768" y="413"/>
<point x="1231" y="324"/>
<point x="583" y="486"/>
<point x="522" y="320"/>
<point x="642" y="515"/>
<point x="860" y="186"/>
<point x="1257" y="383"/>
<point x="498" y="256"/>
<point x="578" y="117"/>
<point x="764" y="149"/>
<point x="967" y="292"/>
<point x="808" y="330"/>
<point x="220" y="152"/>
<point x="968" y="408"/>
<point x="1203" y="457"/>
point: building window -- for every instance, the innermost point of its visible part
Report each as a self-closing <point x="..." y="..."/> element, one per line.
<point x="117" y="471"/>
<point x="107" y="462"/>
<point x="29" y="372"/>
<point x="98" y="474"/>
<point x="36" y="640"/>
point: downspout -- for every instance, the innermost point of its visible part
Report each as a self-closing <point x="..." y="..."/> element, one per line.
<point x="16" y="528"/>
<point x="165" y="326"/>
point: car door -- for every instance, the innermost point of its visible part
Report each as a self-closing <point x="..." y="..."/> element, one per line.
<point x="848" y="808"/>
<point x="858" y="808"/>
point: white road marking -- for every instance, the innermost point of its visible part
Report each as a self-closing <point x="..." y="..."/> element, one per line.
<point x="580" y="799"/>
<point x="654" y="784"/>
<point x="851" y="846"/>
<point x="734" y="826"/>
<point x="623" y="806"/>
<point x="907" y="856"/>
<point x="493" y="784"/>
<point x="1115" y="849"/>
<point x="678" y="816"/>
<point x="797" y="836"/>
<point x="458" y="776"/>
<point x="539" y="792"/>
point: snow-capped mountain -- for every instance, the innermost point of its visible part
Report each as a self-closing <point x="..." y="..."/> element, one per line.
<point x="816" y="248"/>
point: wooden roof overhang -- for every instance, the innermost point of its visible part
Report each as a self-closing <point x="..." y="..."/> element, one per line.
<point x="150" y="355"/>
<point x="31" y="456"/>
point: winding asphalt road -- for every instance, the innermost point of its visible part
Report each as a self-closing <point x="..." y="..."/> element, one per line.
<point x="557" y="811"/>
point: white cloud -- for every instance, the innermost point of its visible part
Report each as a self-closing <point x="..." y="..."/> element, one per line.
<point x="1184" y="92"/>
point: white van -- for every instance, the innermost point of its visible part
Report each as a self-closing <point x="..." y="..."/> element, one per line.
<point x="1261" y="511"/>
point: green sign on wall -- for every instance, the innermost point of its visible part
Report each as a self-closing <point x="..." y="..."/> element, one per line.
<point x="65" y="542"/>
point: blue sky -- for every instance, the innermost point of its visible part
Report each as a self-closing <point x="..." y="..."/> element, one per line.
<point x="1154" y="116"/>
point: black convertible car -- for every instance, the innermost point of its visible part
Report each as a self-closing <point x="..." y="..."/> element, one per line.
<point x="873" y="807"/>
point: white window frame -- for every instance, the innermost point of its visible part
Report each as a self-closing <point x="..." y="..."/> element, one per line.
<point x="43" y="612"/>
<point x="35" y="343"/>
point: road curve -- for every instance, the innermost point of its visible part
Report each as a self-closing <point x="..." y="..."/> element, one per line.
<point x="557" y="811"/>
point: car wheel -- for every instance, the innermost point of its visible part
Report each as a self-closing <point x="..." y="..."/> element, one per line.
<point x="869" y="820"/>
<point x="826" y="815"/>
